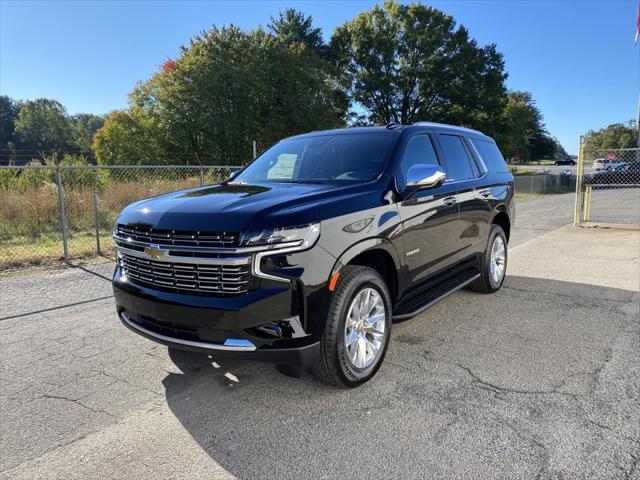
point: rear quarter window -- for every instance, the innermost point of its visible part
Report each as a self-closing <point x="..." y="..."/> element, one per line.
<point x="490" y="155"/>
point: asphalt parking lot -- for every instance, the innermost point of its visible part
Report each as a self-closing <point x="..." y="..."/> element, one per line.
<point x="541" y="380"/>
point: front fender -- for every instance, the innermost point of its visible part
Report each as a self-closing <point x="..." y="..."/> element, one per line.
<point x="376" y="243"/>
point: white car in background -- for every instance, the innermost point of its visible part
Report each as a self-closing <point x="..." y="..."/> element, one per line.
<point x="606" y="164"/>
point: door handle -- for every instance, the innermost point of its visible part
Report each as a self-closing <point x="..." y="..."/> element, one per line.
<point x="449" y="201"/>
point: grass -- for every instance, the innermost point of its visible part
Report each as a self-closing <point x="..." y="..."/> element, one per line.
<point x="516" y="170"/>
<point x="30" y="224"/>
<point x="531" y="196"/>
<point x="542" y="161"/>
<point x="23" y="252"/>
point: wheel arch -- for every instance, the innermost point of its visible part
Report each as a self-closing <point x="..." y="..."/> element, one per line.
<point x="501" y="217"/>
<point x="376" y="253"/>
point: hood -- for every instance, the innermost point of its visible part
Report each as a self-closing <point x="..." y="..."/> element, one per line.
<point x="239" y="207"/>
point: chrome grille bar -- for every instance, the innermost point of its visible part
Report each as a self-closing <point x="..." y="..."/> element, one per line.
<point x="184" y="262"/>
<point x="178" y="238"/>
<point x="218" y="278"/>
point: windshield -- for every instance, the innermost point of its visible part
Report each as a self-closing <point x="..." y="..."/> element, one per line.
<point x="322" y="159"/>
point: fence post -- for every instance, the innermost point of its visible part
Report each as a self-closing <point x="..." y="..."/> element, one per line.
<point x="587" y="204"/>
<point x="255" y="149"/>
<point x="579" y="182"/>
<point x="63" y="221"/>
<point x="531" y="191"/>
<point x="96" y="220"/>
<point x="201" y="176"/>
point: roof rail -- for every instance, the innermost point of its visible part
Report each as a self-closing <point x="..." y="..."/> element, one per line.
<point x="436" y="124"/>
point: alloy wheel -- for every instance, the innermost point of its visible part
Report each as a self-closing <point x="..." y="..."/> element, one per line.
<point x="498" y="260"/>
<point x="364" y="328"/>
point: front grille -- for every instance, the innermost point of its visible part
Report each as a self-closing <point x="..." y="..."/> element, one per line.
<point x="179" y="238"/>
<point x="187" y="277"/>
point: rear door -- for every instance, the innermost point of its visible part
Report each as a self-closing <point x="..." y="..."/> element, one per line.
<point x="464" y="173"/>
<point x="429" y="216"/>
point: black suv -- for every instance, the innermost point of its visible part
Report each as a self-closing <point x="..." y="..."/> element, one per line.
<point x="308" y="254"/>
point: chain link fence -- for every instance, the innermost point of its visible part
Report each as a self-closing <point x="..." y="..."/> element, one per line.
<point x="545" y="183"/>
<point x="608" y="187"/>
<point x="50" y="214"/>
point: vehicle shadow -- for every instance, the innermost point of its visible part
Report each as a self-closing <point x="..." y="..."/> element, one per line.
<point x="477" y="384"/>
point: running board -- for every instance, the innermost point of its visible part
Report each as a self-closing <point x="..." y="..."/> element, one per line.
<point x="432" y="297"/>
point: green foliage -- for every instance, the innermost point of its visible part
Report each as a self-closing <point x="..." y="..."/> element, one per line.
<point x="43" y="125"/>
<point x="406" y="63"/>
<point x="85" y="125"/>
<point x="9" y="109"/>
<point x="227" y="88"/>
<point x="128" y="138"/>
<point x="293" y="27"/>
<point x="23" y="179"/>
<point x="86" y="178"/>
<point x="616" y="135"/>
<point x="523" y="133"/>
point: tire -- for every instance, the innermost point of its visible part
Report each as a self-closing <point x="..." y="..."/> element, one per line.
<point x="487" y="282"/>
<point x="335" y="365"/>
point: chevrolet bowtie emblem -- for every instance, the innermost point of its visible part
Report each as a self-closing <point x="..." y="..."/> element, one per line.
<point x="155" y="252"/>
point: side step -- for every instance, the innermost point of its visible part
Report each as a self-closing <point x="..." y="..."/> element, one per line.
<point x="420" y="303"/>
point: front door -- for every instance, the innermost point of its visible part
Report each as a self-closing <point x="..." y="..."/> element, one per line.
<point x="429" y="217"/>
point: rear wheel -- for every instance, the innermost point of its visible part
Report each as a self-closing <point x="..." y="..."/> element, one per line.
<point x="493" y="264"/>
<point x="358" y="329"/>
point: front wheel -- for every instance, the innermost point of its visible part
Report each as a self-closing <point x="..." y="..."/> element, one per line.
<point x="493" y="264"/>
<point x="358" y="329"/>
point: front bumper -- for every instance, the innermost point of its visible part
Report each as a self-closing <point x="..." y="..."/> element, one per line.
<point x="259" y="325"/>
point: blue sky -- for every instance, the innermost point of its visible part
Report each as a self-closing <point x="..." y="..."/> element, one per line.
<point x="576" y="57"/>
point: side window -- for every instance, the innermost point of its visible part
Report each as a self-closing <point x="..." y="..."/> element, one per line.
<point x="457" y="161"/>
<point x="419" y="150"/>
<point x="490" y="154"/>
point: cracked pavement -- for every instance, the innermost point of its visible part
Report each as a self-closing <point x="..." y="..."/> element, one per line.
<point x="541" y="380"/>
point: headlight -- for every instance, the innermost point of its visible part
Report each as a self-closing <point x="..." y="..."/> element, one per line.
<point x="303" y="236"/>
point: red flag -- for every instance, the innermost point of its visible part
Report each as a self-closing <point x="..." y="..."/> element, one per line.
<point x="637" y="26"/>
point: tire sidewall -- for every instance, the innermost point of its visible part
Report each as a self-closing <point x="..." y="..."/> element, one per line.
<point x="352" y="374"/>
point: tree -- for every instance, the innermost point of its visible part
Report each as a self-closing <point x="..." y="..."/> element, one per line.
<point x="523" y="133"/>
<point x="9" y="109"/>
<point x="293" y="27"/>
<point x="128" y="138"/>
<point x="229" y="87"/>
<point x="406" y="63"/>
<point x="84" y="126"/>
<point x="614" y="136"/>
<point x="43" y="125"/>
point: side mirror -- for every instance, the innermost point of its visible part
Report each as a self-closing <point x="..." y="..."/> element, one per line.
<point x="425" y="175"/>
<point x="234" y="174"/>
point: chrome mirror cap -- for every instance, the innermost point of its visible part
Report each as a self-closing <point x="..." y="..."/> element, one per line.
<point x="425" y="176"/>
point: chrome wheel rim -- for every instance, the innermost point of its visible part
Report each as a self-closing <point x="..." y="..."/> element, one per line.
<point x="498" y="260"/>
<point x="364" y="328"/>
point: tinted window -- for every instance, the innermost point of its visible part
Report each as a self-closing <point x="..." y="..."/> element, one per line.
<point x="490" y="155"/>
<point x="419" y="150"/>
<point x="457" y="161"/>
<point x="325" y="158"/>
